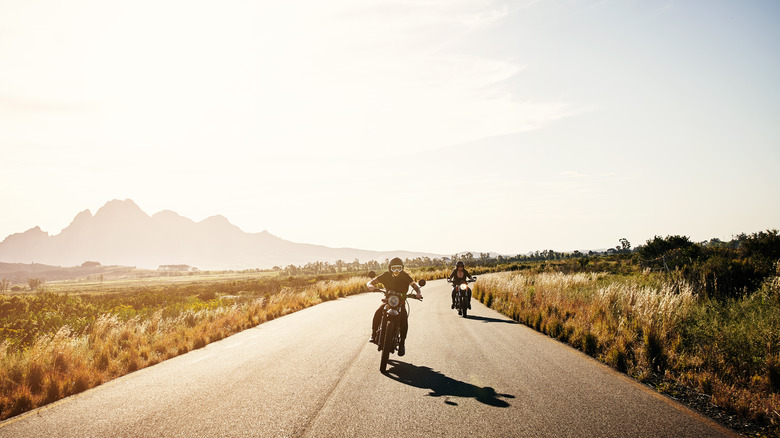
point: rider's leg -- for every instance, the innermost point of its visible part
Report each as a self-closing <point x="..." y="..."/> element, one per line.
<point x="403" y="323"/>
<point x="454" y="291"/>
<point x="469" y="298"/>
<point x="375" y="323"/>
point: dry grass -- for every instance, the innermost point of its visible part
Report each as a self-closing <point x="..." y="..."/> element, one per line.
<point x="656" y="330"/>
<point x="67" y="362"/>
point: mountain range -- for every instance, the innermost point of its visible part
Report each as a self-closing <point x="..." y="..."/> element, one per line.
<point x="120" y="233"/>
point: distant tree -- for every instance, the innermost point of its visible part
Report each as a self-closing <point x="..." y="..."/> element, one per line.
<point x="34" y="283"/>
<point x="4" y="285"/>
<point x="660" y="246"/>
<point x="761" y="245"/>
<point x="625" y="245"/>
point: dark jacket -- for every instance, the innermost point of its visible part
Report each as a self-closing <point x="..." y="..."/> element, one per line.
<point x="398" y="283"/>
<point x="458" y="280"/>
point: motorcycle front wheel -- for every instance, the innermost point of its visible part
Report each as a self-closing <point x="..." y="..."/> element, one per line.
<point x="389" y="333"/>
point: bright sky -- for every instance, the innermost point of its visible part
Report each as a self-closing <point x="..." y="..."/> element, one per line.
<point x="437" y="126"/>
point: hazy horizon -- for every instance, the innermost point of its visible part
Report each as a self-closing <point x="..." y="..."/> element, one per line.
<point x="437" y="127"/>
<point x="474" y="251"/>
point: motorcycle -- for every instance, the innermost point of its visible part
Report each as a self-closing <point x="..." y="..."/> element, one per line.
<point x="462" y="296"/>
<point x="388" y="334"/>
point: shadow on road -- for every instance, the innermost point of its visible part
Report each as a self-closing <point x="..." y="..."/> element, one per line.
<point x="443" y="386"/>
<point x="485" y="319"/>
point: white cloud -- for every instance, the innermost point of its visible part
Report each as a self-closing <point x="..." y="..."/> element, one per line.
<point x="298" y="76"/>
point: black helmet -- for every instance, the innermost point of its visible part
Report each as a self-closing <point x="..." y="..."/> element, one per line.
<point x="460" y="263"/>
<point x="395" y="262"/>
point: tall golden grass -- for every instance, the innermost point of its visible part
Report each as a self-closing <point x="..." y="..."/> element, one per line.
<point x="655" y="329"/>
<point x="65" y="363"/>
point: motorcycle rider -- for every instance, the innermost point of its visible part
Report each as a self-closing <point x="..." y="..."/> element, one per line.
<point x="397" y="280"/>
<point x="459" y="275"/>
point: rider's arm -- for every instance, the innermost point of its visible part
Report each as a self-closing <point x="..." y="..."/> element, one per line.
<point x="416" y="289"/>
<point x="372" y="285"/>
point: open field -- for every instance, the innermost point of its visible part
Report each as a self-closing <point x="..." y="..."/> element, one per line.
<point x="131" y="282"/>
<point x="66" y="339"/>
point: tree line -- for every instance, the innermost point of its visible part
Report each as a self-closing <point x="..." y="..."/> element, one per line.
<point x="715" y="268"/>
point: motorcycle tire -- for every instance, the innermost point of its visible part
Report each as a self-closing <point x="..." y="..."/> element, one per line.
<point x="464" y="310"/>
<point x="389" y="334"/>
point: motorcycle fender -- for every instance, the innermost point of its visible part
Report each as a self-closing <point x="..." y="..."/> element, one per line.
<point x="392" y="312"/>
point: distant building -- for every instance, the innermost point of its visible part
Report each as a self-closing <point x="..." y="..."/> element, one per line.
<point x="176" y="268"/>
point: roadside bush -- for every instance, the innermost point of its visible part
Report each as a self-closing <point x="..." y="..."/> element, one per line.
<point x="653" y="327"/>
<point x="718" y="270"/>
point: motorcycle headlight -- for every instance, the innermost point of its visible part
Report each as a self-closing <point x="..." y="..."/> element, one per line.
<point x="393" y="300"/>
<point x="463" y="286"/>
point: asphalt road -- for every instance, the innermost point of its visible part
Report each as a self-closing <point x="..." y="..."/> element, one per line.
<point x="313" y="374"/>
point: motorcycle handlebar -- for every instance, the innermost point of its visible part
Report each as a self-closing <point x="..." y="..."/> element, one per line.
<point x="406" y="295"/>
<point x="468" y="280"/>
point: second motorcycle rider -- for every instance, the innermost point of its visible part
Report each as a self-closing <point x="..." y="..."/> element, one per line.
<point x="459" y="275"/>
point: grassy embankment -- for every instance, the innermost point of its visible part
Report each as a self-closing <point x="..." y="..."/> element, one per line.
<point x="654" y="328"/>
<point x="62" y="341"/>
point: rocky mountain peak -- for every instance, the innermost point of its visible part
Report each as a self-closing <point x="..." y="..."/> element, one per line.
<point x="120" y="233"/>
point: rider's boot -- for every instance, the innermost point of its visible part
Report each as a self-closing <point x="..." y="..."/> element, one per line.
<point x="401" y="348"/>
